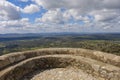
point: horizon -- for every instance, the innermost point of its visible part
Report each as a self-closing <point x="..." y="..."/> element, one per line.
<point x="51" y="16"/>
<point x="65" y="33"/>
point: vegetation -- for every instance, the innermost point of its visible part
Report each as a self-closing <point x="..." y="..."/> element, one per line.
<point x="103" y="42"/>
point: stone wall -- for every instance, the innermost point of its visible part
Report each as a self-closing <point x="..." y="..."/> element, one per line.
<point x="104" y="66"/>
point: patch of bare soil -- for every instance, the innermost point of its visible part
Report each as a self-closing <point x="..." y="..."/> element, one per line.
<point x="59" y="74"/>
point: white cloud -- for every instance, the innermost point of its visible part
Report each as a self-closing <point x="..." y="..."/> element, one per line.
<point x="32" y="8"/>
<point x="75" y="15"/>
<point x="105" y="15"/>
<point x="59" y="17"/>
<point x="52" y="16"/>
<point x="77" y="8"/>
<point x="15" y="23"/>
<point x="107" y="27"/>
<point x="24" y="26"/>
<point x="24" y="0"/>
<point x="62" y="16"/>
<point x="9" y="11"/>
<point x="78" y="4"/>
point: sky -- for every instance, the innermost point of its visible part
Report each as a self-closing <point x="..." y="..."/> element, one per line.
<point x="47" y="16"/>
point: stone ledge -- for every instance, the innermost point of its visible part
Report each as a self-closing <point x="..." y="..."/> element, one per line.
<point x="96" y="68"/>
<point x="12" y="58"/>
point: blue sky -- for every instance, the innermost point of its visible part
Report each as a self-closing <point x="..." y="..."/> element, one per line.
<point x="23" y="4"/>
<point x="43" y="16"/>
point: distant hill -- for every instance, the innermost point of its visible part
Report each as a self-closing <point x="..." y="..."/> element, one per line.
<point x="54" y="34"/>
<point x="106" y="42"/>
<point x="90" y="36"/>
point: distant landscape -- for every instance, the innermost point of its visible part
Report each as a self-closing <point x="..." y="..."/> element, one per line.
<point x="106" y="42"/>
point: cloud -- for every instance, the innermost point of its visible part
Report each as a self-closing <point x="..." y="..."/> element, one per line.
<point x="15" y="23"/>
<point x="61" y="16"/>
<point x="24" y="0"/>
<point x="112" y="4"/>
<point x="32" y="8"/>
<point x="9" y="11"/>
<point x="52" y="16"/>
<point x="105" y="15"/>
<point x="78" y="4"/>
<point x="24" y="26"/>
<point x="101" y="10"/>
<point x="51" y="4"/>
<point x="17" y="26"/>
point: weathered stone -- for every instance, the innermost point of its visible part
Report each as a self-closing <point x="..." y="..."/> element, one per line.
<point x="101" y="65"/>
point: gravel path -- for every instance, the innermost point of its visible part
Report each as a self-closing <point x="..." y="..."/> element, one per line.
<point x="59" y="74"/>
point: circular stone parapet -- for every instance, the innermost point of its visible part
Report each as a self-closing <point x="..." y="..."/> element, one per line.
<point x="98" y="65"/>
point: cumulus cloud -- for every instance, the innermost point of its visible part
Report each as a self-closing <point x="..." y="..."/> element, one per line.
<point x="62" y="16"/>
<point x="8" y="11"/>
<point x="88" y="11"/>
<point x="80" y="4"/>
<point x="52" y="16"/>
<point x="59" y="17"/>
<point x="98" y="16"/>
<point x="105" y="15"/>
<point x="15" y="23"/>
<point x="32" y="8"/>
<point x="17" y="26"/>
<point x="75" y="15"/>
<point x="24" y="0"/>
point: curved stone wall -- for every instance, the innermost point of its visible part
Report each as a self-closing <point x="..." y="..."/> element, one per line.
<point x="101" y="65"/>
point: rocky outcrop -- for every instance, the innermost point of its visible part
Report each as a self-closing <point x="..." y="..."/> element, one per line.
<point x="104" y="66"/>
